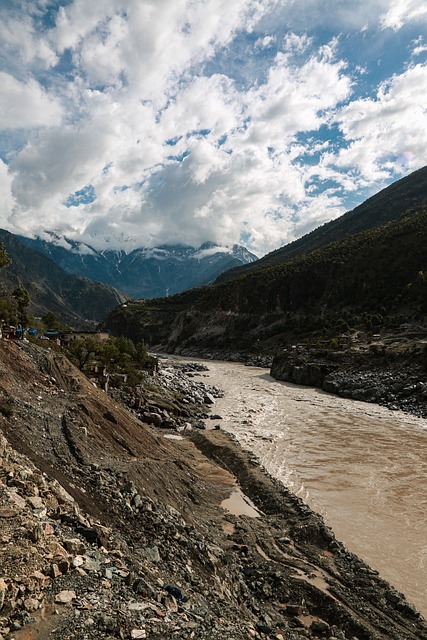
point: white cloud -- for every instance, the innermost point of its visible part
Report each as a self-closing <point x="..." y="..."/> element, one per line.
<point x="404" y="11"/>
<point x="198" y="120"/>
<point x="152" y="42"/>
<point x="21" y="44"/>
<point x="26" y="105"/>
<point x="6" y="190"/>
<point x="383" y="130"/>
<point x="294" y="99"/>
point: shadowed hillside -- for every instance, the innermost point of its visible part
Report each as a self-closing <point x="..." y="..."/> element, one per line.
<point x="381" y="272"/>
<point x="74" y="299"/>
<point x="110" y="530"/>
<point x="387" y="205"/>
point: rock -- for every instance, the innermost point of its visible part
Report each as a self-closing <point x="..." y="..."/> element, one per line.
<point x="208" y="399"/>
<point x="294" y="609"/>
<point x="55" y="571"/>
<point x="319" y="626"/>
<point x="108" y="574"/>
<point x="75" y="546"/>
<point x="152" y="418"/>
<point x="36" y="502"/>
<point x="3" y="589"/>
<point x="78" y="561"/>
<point x="65" y="597"/>
<point x="31" y="604"/>
<point x="106" y="623"/>
<point x="143" y="588"/>
<point x="138" y="501"/>
<point x="138" y="633"/>
<point x="152" y="554"/>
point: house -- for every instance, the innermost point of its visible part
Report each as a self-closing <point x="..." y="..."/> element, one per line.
<point x="67" y="337"/>
<point x="100" y="375"/>
<point x="12" y="333"/>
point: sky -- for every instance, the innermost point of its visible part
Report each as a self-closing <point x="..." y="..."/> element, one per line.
<point x="137" y="123"/>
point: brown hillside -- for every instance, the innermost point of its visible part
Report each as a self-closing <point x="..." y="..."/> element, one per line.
<point x="141" y="513"/>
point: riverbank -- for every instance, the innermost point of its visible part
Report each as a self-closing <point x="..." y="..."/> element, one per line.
<point x="390" y="372"/>
<point x="391" y="377"/>
<point x="112" y="530"/>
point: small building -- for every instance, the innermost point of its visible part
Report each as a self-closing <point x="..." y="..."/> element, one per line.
<point x="12" y="333"/>
<point x="68" y="337"/>
<point x="100" y="375"/>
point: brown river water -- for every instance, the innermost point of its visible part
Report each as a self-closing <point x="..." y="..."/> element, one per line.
<point x="363" y="467"/>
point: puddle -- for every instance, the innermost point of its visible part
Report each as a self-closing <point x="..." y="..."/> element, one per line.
<point x="315" y="578"/>
<point x="240" y="505"/>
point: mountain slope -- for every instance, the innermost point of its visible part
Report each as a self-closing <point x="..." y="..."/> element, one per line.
<point x="387" y="205"/>
<point x="380" y="272"/>
<point x="74" y="299"/>
<point x="144" y="273"/>
<point x="98" y="510"/>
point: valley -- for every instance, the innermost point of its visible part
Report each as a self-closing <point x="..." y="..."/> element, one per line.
<point x="111" y="530"/>
<point x="136" y="511"/>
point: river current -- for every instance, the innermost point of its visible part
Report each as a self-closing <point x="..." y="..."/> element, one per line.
<point x="363" y="467"/>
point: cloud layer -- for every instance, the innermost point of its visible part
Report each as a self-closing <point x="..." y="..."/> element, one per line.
<point x="130" y="123"/>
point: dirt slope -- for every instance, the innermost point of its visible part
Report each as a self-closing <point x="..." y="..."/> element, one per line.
<point x="100" y="514"/>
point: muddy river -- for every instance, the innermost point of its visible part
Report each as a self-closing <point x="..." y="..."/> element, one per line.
<point x="360" y="465"/>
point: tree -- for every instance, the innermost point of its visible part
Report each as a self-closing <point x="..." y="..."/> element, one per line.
<point x="4" y="258"/>
<point x="22" y="303"/>
<point x="50" y="320"/>
<point x="82" y="350"/>
<point x="141" y="355"/>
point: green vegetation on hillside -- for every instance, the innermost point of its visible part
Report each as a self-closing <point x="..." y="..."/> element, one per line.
<point x="120" y="356"/>
<point x="77" y="301"/>
<point x="377" y="277"/>
<point x="386" y="206"/>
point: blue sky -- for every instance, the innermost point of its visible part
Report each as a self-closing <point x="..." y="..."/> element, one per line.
<point x="130" y="123"/>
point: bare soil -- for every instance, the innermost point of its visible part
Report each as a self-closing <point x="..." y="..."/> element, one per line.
<point x="110" y="530"/>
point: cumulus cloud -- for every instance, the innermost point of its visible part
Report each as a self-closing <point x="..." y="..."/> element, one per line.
<point x="21" y="44"/>
<point x="24" y="105"/>
<point x="145" y="123"/>
<point x="382" y="130"/>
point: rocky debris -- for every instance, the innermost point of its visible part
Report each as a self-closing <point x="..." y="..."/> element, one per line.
<point x="127" y="537"/>
<point x="396" y="383"/>
<point x="402" y="389"/>
<point x="175" y="399"/>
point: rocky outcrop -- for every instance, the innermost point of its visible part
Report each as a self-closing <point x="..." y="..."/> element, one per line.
<point x="396" y="383"/>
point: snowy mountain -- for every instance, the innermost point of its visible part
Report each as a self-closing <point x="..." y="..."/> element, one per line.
<point x="145" y="272"/>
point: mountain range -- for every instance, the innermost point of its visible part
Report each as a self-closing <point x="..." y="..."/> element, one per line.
<point x="77" y="301"/>
<point x="144" y="272"/>
<point x="374" y="276"/>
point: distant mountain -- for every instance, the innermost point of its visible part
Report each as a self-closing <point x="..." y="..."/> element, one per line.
<point x="74" y="299"/>
<point x="389" y="204"/>
<point x="377" y="277"/>
<point x="145" y="272"/>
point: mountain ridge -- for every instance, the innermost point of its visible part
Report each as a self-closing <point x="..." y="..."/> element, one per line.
<point x="144" y="272"/>
<point x="380" y="272"/>
<point x="76" y="300"/>
<point x="388" y="204"/>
